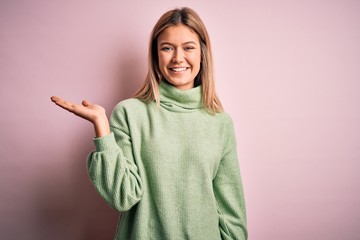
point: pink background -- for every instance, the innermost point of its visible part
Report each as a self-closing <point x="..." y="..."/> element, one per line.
<point x="287" y="71"/>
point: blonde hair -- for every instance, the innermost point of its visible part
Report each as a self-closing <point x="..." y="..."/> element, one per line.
<point x="149" y="90"/>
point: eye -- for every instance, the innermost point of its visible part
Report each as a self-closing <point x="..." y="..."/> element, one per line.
<point x="166" y="48"/>
<point x="189" y="48"/>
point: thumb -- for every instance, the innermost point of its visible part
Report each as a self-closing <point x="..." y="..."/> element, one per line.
<point x="86" y="103"/>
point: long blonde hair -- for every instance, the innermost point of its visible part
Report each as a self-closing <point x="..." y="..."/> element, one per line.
<point x="149" y="90"/>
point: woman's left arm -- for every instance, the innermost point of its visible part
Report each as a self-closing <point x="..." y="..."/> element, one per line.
<point x="228" y="192"/>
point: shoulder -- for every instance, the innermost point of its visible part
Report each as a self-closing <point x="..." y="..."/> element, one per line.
<point x="220" y="122"/>
<point x="129" y="103"/>
<point x="127" y="109"/>
<point x="227" y="127"/>
<point x="128" y="106"/>
<point x="224" y="119"/>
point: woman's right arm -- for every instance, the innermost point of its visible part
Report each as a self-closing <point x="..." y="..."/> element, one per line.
<point x="114" y="175"/>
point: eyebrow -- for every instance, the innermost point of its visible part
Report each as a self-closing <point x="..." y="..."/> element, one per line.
<point x="168" y="43"/>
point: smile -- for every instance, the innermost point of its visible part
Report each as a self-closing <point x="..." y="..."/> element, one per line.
<point x="179" y="69"/>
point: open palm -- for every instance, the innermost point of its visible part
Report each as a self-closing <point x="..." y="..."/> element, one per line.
<point x="86" y="110"/>
<point x="94" y="113"/>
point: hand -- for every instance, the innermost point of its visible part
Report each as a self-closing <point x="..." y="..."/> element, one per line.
<point x="86" y="110"/>
<point x="94" y="113"/>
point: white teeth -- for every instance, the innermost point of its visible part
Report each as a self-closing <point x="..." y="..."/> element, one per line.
<point x="178" y="69"/>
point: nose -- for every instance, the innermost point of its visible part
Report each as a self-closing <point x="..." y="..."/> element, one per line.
<point x="178" y="56"/>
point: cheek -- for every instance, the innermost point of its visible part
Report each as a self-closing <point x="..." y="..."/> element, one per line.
<point x="196" y="60"/>
<point x="162" y="65"/>
<point x="162" y="61"/>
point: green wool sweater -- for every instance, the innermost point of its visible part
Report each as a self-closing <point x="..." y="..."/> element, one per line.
<point x="172" y="171"/>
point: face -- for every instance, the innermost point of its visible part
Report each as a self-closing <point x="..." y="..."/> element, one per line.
<point x="179" y="55"/>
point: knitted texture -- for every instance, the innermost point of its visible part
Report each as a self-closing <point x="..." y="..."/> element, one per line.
<point x="172" y="171"/>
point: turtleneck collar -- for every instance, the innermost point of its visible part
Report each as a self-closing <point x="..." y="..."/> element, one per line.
<point x="177" y="100"/>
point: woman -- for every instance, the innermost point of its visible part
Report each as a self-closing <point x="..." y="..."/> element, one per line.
<point x="168" y="159"/>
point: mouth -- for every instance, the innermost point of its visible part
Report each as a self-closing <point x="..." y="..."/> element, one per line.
<point x="179" y="69"/>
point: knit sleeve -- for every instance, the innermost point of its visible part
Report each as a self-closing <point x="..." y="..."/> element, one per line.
<point x="228" y="192"/>
<point x="112" y="169"/>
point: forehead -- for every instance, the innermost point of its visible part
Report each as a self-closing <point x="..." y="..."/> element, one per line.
<point x="178" y="34"/>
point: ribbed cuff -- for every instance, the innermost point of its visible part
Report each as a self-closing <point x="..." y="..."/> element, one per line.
<point x="105" y="143"/>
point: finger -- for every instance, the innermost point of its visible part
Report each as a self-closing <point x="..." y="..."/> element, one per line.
<point x="63" y="103"/>
<point x="54" y="98"/>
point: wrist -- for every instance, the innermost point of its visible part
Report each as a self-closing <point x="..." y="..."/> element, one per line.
<point x="101" y="127"/>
